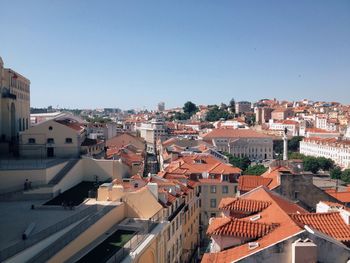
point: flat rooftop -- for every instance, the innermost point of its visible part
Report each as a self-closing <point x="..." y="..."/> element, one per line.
<point x="17" y="216"/>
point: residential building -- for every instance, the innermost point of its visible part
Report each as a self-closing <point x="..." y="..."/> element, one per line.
<point x="215" y="179"/>
<point x="152" y="132"/>
<point x="291" y="126"/>
<point x="262" y="114"/>
<point x="243" y="107"/>
<point x="282" y="114"/>
<point x="336" y="149"/>
<point x="60" y="138"/>
<point x="241" y="142"/>
<point x="262" y="226"/>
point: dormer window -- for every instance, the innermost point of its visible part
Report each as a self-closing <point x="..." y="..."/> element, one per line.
<point x="253" y="245"/>
<point x="254" y="218"/>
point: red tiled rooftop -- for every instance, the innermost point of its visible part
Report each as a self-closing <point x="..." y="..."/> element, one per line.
<point x="233" y="133"/>
<point x="331" y="224"/>
<point x="249" y="182"/>
<point x="238" y="228"/>
<point x="243" y="205"/>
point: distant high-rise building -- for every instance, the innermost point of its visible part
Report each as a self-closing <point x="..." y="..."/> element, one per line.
<point x="243" y="107"/>
<point x="161" y="106"/>
<point x="14" y="103"/>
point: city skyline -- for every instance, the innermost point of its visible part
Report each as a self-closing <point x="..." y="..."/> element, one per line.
<point x="134" y="55"/>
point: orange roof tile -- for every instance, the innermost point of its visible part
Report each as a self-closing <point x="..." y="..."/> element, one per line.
<point x="243" y="205"/>
<point x="249" y="182"/>
<point x="331" y="224"/>
<point x="233" y="133"/>
<point x="238" y="228"/>
<point x="276" y="213"/>
<point x="343" y="196"/>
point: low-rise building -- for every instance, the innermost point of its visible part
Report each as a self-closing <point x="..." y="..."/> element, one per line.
<point x="263" y="226"/>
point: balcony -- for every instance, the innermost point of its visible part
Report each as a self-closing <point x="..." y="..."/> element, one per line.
<point x="173" y="215"/>
<point x="8" y="95"/>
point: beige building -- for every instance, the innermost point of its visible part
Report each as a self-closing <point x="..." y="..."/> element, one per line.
<point x="62" y="137"/>
<point x="241" y="142"/>
<point x="14" y="104"/>
<point x="152" y="132"/>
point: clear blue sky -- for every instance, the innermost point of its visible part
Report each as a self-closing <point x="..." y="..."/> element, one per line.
<point x="130" y="54"/>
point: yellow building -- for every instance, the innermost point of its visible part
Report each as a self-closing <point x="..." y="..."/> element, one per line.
<point x="14" y="104"/>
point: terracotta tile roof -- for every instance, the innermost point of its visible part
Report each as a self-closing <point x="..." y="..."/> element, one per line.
<point x="274" y="174"/>
<point x="71" y="124"/>
<point x="276" y="213"/>
<point x="199" y="163"/>
<point x="249" y="182"/>
<point x="238" y="228"/>
<point x="331" y="224"/>
<point x="343" y="196"/>
<point x="243" y="205"/>
<point x="233" y="133"/>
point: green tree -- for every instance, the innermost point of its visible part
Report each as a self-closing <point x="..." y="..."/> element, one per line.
<point x="296" y="155"/>
<point x="335" y="173"/>
<point x="190" y="108"/>
<point x="293" y="144"/>
<point x="311" y="164"/>
<point x="215" y="114"/>
<point x="232" y="106"/>
<point x="242" y="163"/>
<point x="345" y="176"/>
<point x="255" y="170"/>
<point x="326" y="164"/>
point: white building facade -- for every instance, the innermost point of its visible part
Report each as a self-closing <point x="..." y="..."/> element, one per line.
<point x="335" y="149"/>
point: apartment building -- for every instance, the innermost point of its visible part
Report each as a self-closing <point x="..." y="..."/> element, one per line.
<point x="280" y="126"/>
<point x="214" y="178"/>
<point x="263" y="226"/>
<point x="14" y="104"/>
<point x="262" y="114"/>
<point x="282" y="113"/>
<point x="241" y="142"/>
<point x="243" y="107"/>
<point x="152" y="132"/>
<point x="336" y="149"/>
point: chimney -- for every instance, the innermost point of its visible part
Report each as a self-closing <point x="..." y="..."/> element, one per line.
<point x="304" y="251"/>
<point x="153" y="188"/>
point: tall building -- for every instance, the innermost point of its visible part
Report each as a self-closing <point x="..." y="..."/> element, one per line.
<point x="161" y="106"/>
<point x="14" y="104"/>
<point x="243" y="106"/>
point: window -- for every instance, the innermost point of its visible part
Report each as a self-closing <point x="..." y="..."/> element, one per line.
<point x="212" y="214"/>
<point x="50" y="140"/>
<point x="69" y="140"/>
<point x="213" y="189"/>
<point x="225" y="189"/>
<point x="225" y="177"/>
<point x="31" y="140"/>
<point x="213" y="203"/>
<point x="296" y="195"/>
<point x="50" y="128"/>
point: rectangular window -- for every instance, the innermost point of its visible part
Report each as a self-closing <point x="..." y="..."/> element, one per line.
<point x="212" y="214"/>
<point x="213" y="203"/>
<point x="50" y="140"/>
<point x="213" y="189"/>
<point x="31" y="140"/>
<point x="225" y="189"/>
<point x="69" y="140"/>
